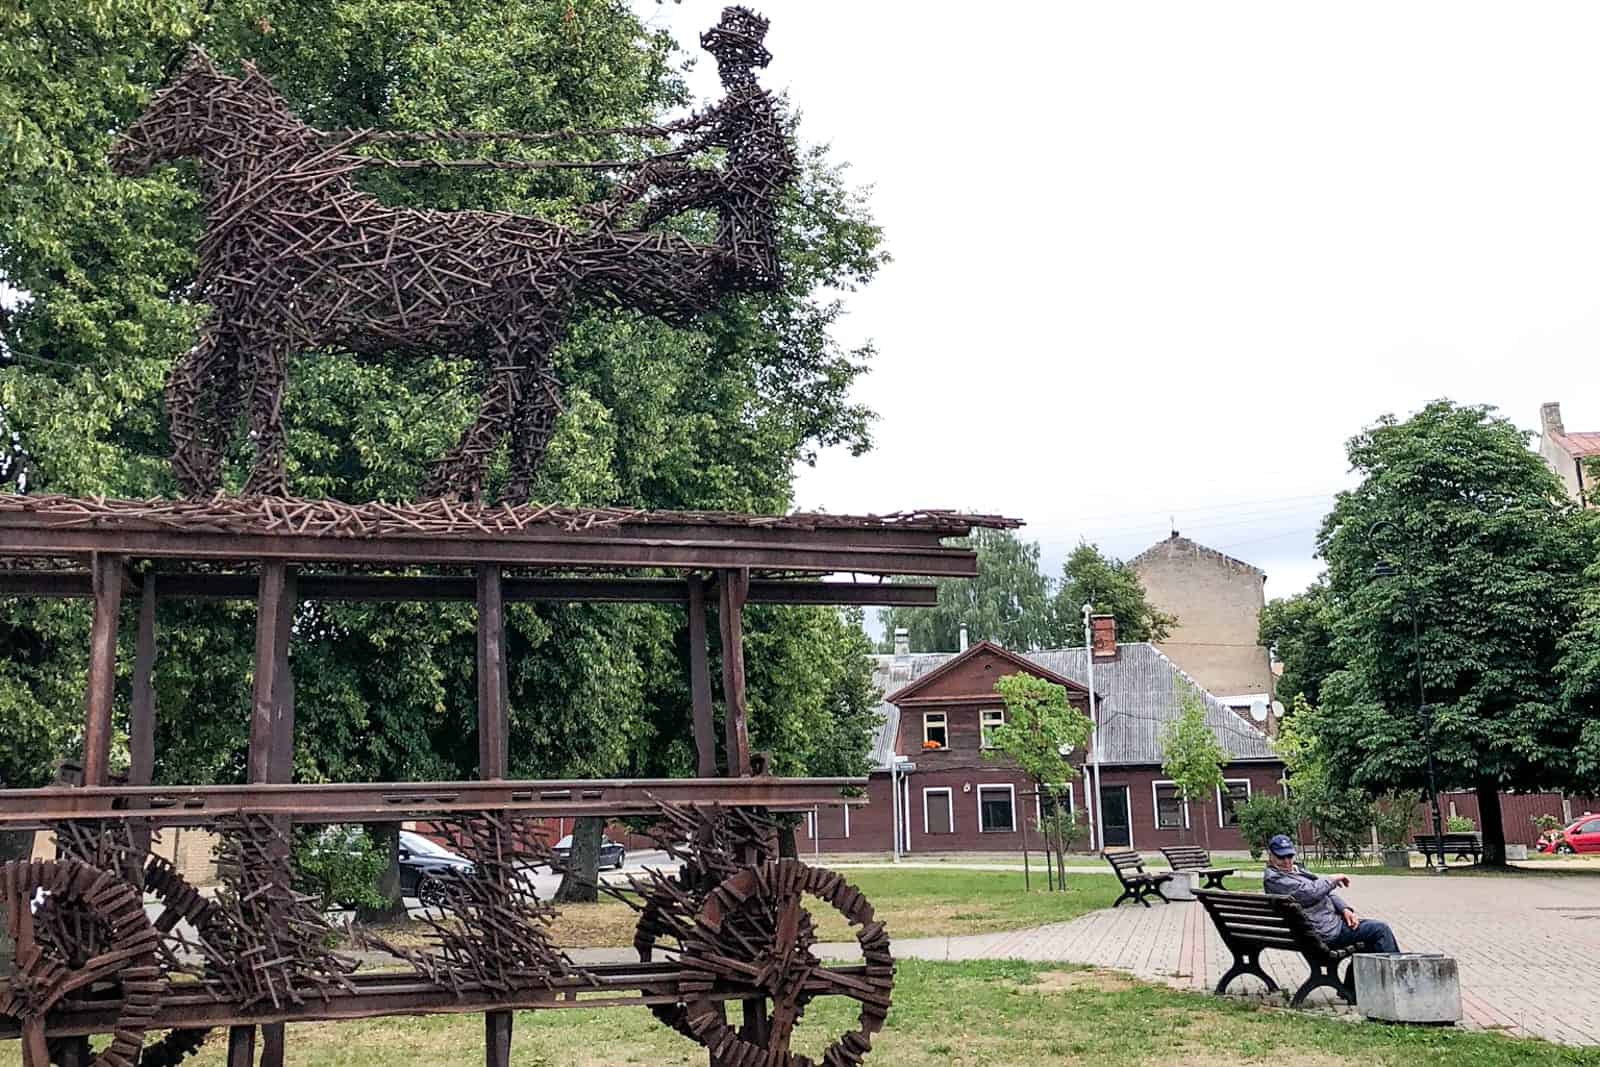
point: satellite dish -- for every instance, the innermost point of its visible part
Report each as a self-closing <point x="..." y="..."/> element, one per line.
<point x="1258" y="710"/>
<point x="1277" y="709"/>
<point x="1064" y="750"/>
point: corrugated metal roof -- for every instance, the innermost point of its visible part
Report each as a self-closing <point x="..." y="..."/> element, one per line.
<point x="1137" y="698"/>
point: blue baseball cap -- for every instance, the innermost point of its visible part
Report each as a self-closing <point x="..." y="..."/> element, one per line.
<point x="1280" y="845"/>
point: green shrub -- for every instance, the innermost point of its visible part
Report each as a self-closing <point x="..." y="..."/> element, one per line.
<point x="1546" y="823"/>
<point x="1459" y="824"/>
<point x="1394" y="816"/>
<point x="339" y="865"/>
<point x="1261" y="818"/>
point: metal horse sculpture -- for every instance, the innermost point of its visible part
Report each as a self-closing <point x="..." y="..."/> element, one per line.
<point x="295" y="257"/>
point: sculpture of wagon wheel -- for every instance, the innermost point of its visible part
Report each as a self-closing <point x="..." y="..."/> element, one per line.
<point x="125" y="964"/>
<point x="752" y="932"/>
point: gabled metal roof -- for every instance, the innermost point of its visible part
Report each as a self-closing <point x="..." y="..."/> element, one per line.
<point x="1137" y="695"/>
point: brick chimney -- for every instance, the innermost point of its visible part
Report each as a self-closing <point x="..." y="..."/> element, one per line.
<point x="1550" y="419"/>
<point x="902" y="641"/>
<point x="900" y="666"/>
<point x="1103" y="636"/>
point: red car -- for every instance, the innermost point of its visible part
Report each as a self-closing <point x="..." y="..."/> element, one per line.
<point x="1582" y="836"/>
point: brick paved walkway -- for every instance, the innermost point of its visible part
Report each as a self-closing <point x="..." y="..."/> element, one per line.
<point x="1528" y="946"/>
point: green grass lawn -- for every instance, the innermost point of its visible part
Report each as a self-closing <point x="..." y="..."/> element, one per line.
<point x="993" y="1012"/>
<point x="913" y="902"/>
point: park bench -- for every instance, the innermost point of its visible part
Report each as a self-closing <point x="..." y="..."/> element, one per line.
<point x="1137" y="883"/>
<point x="1458" y="845"/>
<point x="1191" y="859"/>
<point x="1249" y="923"/>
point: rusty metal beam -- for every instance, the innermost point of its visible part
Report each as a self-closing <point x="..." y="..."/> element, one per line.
<point x="361" y="587"/>
<point x="705" y="730"/>
<point x="107" y="576"/>
<point x="263" y="714"/>
<point x="377" y="994"/>
<point x="732" y="587"/>
<point x="194" y="805"/>
<point x="863" y="551"/>
<point x="493" y="741"/>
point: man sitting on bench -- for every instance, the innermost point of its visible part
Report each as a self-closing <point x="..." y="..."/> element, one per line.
<point x="1333" y="920"/>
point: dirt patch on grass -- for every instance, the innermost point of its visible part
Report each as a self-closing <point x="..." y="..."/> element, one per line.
<point x="607" y="924"/>
<point x="1288" y="1058"/>
<point x="1100" y="980"/>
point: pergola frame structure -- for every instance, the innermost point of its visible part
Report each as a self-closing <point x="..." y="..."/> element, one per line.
<point x="278" y="553"/>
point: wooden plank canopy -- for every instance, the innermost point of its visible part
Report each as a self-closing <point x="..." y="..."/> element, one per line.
<point x="266" y="528"/>
<point x="199" y="585"/>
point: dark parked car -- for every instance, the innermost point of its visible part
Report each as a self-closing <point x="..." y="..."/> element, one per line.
<point x="611" y="853"/>
<point x="421" y="861"/>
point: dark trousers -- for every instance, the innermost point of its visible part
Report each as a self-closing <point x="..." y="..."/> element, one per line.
<point x="1377" y="935"/>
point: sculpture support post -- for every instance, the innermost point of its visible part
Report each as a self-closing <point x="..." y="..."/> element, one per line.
<point x="494" y="750"/>
<point x="142" y="714"/>
<point x="271" y="742"/>
<point x="705" y="731"/>
<point x="106" y="574"/>
<point x="732" y="587"/>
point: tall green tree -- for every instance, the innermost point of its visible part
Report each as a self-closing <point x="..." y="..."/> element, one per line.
<point x="1010" y="602"/>
<point x="1041" y="729"/>
<point x="1191" y="755"/>
<point x="1487" y="559"/>
<point x="1112" y="588"/>
<point x="1007" y="603"/>
<point x="1300" y="629"/>
<point x="1578" y="670"/>
<point x="713" y="416"/>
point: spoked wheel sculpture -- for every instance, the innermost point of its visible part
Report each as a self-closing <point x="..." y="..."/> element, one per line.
<point x="86" y="937"/>
<point x="753" y="932"/>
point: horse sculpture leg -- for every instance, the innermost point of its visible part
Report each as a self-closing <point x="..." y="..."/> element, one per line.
<point x="459" y="474"/>
<point x="268" y="368"/>
<point x="202" y="401"/>
<point x="532" y="425"/>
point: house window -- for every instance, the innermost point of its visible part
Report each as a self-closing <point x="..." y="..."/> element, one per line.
<point x="1053" y="798"/>
<point x="833" y="821"/>
<point x="938" y="813"/>
<point x="997" y="809"/>
<point x="935" y="734"/>
<point x="1171" y="812"/>
<point x="992" y="717"/>
<point x="1235" y="791"/>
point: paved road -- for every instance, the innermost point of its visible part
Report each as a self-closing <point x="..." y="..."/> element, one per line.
<point x="1528" y="946"/>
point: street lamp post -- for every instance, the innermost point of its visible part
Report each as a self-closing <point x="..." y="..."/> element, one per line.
<point x="1383" y="569"/>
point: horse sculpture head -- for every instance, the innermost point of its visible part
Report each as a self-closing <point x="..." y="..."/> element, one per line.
<point x="174" y="125"/>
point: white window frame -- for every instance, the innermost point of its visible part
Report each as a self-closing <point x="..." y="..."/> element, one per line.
<point x="950" y="807"/>
<point x="1155" y="805"/>
<point x="1249" y="791"/>
<point x="944" y="721"/>
<point x="984" y="725"/>
<point x="1011" y="793"/>
<point x="1038" y="801"/>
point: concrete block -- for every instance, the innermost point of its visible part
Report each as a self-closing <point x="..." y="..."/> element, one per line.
<point x="1516" y="852"/>
<point x="1408" y="987"/>
<point x="1181" y="887"/>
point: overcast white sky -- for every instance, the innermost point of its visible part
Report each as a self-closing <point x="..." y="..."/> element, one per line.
<point x="1164" y="258"/>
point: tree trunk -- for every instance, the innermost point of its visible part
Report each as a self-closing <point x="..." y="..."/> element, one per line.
<point x="386" y="836"/>
<point x="1491" y="825"/>
<point x="14" y="845"/>
<point x="580" y="882"/>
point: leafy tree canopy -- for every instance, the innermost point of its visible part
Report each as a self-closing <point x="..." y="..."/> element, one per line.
<point x="1300" y="629"/>
<point x="1488" y="556"/>
<point x="715" y="416"/>
<point x="1041" y="729"/>
<point x="1190" y="754"/>
<point x="1010" y="601"/>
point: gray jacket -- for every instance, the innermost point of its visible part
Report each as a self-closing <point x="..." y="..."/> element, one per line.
<point x="1315" y="895"/>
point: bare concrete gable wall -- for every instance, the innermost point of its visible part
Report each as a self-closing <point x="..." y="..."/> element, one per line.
<point x="1218" y="602"/>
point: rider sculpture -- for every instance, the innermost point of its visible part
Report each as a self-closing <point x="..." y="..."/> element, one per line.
<point x="295" y="257"/>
